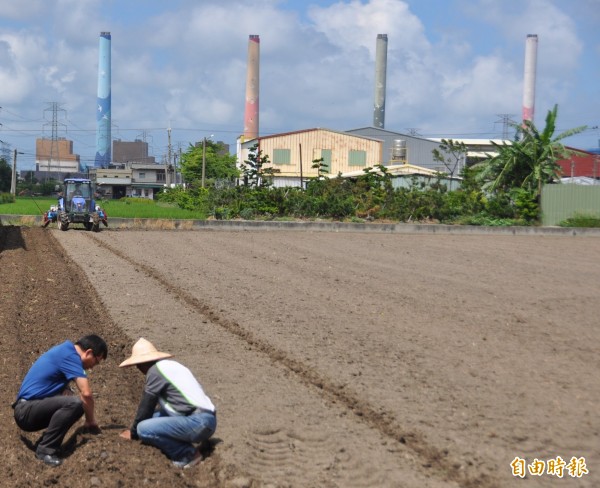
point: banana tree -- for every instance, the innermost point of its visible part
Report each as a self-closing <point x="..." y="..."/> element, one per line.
<point x="530" y="161"/>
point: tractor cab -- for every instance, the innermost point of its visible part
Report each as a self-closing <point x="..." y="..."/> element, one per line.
<point x="78" y="195"/>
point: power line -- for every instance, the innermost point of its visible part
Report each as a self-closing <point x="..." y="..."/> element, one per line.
<point x="506" y="121"/>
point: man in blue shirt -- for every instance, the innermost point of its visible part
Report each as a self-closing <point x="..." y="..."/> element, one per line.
<point x="44" y="400"/>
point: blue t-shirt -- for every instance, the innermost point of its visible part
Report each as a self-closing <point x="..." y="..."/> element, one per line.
<point x="52" y="371"/>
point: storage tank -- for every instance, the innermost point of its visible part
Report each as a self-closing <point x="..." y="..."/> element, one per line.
<point x="398" y="151"/>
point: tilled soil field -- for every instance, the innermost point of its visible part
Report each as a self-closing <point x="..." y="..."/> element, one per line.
<point x="334" y="359"/>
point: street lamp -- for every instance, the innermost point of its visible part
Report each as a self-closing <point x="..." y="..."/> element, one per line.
<point x="204" y="157"/>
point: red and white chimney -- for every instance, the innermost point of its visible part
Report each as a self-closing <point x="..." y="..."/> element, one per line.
<point x="529" y="77"/>
<point x="252" y="88"/>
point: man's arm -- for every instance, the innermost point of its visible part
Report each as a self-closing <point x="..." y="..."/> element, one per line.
<point x="145" y="411"/>
<point x="85" y="393"/>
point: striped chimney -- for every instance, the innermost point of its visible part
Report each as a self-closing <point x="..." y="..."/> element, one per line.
<point x="103" y="115"/>
<point x="380" y="79"/>
<point x="252" y="88"/>
<point x="531" y="44"/>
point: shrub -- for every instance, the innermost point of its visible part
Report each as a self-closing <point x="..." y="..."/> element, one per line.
<point x="581" y="220"/>
<point x="487" y="220"/>
<point x="7" y="198"/>
<point x="191" y="198"/>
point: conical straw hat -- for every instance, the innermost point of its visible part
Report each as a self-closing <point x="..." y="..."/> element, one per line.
<point x="143" y="351"/>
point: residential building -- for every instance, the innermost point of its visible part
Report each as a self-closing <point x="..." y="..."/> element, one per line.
<point x="113" y="182"/>
<point x="130" y="180"/>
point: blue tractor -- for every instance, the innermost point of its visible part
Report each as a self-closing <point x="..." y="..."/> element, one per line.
<point x="76" y="205"/>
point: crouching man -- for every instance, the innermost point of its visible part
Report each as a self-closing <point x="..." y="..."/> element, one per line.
<point x="45" y="402"/>
<point x="174" y="413"/>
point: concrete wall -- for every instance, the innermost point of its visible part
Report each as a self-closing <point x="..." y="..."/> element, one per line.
<point x="254" y="225"/>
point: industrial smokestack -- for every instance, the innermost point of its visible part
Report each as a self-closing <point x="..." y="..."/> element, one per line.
<point x="380" y="78"/>
<point x="529" y="77"/>
<point x="252" y="88"/>
<point x="103" y="138"/>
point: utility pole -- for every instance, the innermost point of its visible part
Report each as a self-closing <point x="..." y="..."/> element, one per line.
<point x="13" y="182"/>
<point x="301" y="175"/>
<point x="168" y="172"/>
<point x="180" y="173"/>
<point x="203" y="159"/>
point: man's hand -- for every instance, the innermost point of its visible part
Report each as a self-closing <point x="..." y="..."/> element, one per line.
<point x="126" y="434"/>
<point x="91" y="428"/>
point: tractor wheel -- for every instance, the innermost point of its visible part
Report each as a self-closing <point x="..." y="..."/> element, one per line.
<point x="63" y="221"/>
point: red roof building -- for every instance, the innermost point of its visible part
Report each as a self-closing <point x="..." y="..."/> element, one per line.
<point x="580" y="163"/>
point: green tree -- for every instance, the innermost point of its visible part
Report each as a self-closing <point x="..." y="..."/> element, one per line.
<point x="255" y="171"/>
<point x="451" y="154"/>
<point x="530" y="161"/>
<point x="321" y="167"/>
<point x="220" y="165"/>
<point x="5" y="176"/>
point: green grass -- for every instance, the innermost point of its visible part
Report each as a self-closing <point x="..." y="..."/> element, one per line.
<point x="581" y="221"/>
<point x="129" y="208"/>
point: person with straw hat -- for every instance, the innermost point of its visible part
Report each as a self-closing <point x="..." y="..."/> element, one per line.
<point x="174" y="413"/>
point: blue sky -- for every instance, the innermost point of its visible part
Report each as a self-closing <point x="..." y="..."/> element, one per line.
<point x="454" y="67"/>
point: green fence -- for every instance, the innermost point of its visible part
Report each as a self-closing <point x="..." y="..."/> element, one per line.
<point x="559" y="202"/>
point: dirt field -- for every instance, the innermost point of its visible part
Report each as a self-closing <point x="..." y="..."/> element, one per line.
<point x="334" y="360"/>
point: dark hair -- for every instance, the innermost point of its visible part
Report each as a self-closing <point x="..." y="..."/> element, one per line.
<point x="95" y="343"/>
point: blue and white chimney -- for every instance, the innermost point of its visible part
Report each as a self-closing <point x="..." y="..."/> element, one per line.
<point x="103" y="138"/>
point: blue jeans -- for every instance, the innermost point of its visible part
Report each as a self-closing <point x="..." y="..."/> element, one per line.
<point x="176" y="436"/>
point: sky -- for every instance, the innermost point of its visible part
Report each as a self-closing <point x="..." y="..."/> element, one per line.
<point x="454" y="68"/>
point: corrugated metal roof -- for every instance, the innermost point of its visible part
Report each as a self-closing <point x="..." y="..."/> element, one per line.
<point x="393" y="170"/>
<point x="309" y="130"/>
<point x="389" y="132"/>
<point x="473" y="142"/>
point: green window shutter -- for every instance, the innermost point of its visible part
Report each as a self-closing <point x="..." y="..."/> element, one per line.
<point x="281" y="156"/>
<point x="357" y="158"/>
<point x="326" y="155"/>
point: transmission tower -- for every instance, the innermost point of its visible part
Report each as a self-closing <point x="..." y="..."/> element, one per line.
<point x="412" y="131"/>
<point x="506" y="121"/>
<point x="143" y="136"/>
<point x="55" y="108"/>
<point x="4" y="151"/>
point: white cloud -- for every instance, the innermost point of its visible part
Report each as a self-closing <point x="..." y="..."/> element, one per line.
<point x="23" y="9"/>
<point x="21" y="56"/>
<point x="355" y="24"/>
